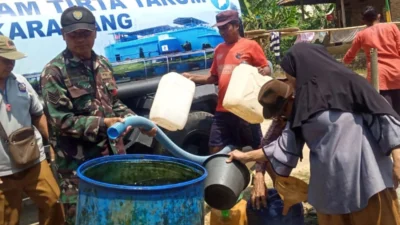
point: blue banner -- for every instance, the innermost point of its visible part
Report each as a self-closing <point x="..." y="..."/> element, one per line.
<point x="140" y="38"/>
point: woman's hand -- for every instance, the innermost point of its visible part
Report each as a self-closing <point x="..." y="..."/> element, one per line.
<point x="238" y="155"/>
<point x="255" y="155"/>
<point x="396" y="167"/>
<point x="259" y="194"/>
<point x="396" y="178"/>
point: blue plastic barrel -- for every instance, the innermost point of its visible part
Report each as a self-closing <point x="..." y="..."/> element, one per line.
<point x="140" y="190"/>
<point x="272" y="215"/>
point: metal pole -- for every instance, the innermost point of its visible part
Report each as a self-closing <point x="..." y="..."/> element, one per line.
<point x="343" y="13"/>
<point x="167" y="64"/>
<point x="205" y="59"/>
<point x="374" y="69"/>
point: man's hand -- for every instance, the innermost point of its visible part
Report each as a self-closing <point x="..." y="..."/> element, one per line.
<point x="1" y="181"/>
<point x="259" y="194"/>
<point x="396" y="167"/>
<point x="265" y="71"/>
<point x="150" y="133"/>
<point x="111" y="121"/>
<point x="238" y="155"/>
<point x="187" y="75"/>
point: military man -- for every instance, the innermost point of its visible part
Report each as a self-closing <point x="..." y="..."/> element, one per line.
<point x="80" y="96"/>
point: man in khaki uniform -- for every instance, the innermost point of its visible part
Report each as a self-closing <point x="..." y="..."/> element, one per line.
<point x="19" y="108"/>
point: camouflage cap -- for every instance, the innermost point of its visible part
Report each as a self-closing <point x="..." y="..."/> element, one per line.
<point x="8" y="49"/>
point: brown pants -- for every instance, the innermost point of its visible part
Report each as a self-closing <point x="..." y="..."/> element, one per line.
<point x="39" y="184"/>
<point x="382" y="209"/>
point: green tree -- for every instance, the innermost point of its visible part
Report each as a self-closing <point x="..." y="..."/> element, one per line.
<point x="268" y="15"/>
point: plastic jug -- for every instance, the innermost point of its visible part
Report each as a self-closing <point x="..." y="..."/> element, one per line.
<point x="172" y="101"/>
<point x="234" y="216"/>
<point x="272" y="215"/>
<point x="241" y="97"/>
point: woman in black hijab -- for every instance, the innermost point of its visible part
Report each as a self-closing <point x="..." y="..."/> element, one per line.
<point x="351" y="132"/>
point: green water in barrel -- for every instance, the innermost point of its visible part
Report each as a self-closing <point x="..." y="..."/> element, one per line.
<point x="142" y="173"/>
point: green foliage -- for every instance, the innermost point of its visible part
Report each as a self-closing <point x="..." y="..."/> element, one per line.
<point x="268" y="15"/>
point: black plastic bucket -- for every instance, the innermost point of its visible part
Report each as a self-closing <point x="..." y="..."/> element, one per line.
<point x="225" y="181"/>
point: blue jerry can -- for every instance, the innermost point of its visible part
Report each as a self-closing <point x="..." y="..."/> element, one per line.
<point x="272" y="215"/>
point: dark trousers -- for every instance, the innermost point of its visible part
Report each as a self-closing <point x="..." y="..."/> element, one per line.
<point x="229" y="129"/>
<point x="393" y="97"/>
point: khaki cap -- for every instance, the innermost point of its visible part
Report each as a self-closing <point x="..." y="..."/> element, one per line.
<point x="8" y="49"/>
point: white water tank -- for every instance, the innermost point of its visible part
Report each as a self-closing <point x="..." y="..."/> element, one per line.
<point x="241" y="97"/>
<point x="172" y="101"/>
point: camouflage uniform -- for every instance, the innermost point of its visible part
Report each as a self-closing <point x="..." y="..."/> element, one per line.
<point x="77" y="99"/>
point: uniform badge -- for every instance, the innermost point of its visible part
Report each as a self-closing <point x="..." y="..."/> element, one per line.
<point x="106" y="75"/>
<point x="67" y="82"/>
<point x="22" y="87"/>
<point x="77" y="15"/>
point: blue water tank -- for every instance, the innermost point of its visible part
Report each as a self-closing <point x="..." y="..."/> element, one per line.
<point x="139" y="189"/>
<point x="168" y="45"/>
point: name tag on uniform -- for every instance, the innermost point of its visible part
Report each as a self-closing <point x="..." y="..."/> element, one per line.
<point x="106" y="75"/>
<point x="22" y="87"/>
<point x="79" y="78"/>
<point x="67" y="82"/>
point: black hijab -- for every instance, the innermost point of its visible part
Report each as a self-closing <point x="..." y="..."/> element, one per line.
<point x="323" y="83"/>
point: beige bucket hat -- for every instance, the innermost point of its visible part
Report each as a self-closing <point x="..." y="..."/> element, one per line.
<point x="8" y="49"/>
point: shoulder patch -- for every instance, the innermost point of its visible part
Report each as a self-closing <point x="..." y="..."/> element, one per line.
<point x="53" y="97"/>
